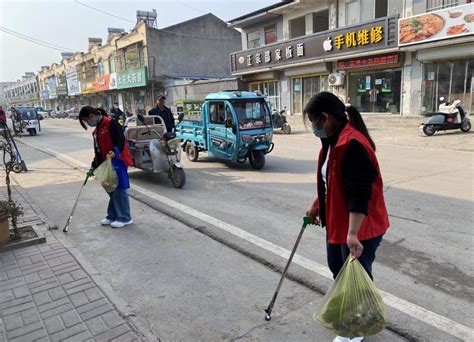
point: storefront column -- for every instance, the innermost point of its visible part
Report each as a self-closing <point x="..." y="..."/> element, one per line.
<point x="411" y="85"/>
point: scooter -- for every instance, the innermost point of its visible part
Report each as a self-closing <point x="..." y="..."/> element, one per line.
<point x="155" y="150"/>
<point x="279" y="121"/>
<point x="448" y="117"/>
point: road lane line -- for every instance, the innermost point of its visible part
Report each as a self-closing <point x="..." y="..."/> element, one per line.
<point x="429" y="317"/>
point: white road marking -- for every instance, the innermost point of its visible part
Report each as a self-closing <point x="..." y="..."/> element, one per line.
<point x="431" y="318"/>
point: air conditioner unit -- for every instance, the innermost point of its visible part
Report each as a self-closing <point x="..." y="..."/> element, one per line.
<point x="336" y="79"/>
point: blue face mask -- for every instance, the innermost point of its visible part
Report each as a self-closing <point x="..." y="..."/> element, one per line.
<point x="92" y="123"/>
<point x="319" y="133"/>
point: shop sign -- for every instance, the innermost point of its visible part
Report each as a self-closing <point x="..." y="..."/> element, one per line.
<point x="73" y="84"/>
<point x="52" y="87"/>
<point x="113" y="81"/>
<point x="371" y="61"/>
<point x="443" y="24"/>
<point x="102" y="83"/>
<point x="132" y="78"/>
<point x="374" y="35"/>
<point x="61" y="90"/>
<point x="88" y="87"/>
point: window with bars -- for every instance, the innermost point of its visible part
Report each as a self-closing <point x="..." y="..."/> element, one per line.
<point x="434" y="5"/>
<point x="134" y="56"/>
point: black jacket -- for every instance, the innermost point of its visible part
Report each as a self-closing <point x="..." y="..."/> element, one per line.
<point x="166" y="115"/>
<point x="358" y="175"/>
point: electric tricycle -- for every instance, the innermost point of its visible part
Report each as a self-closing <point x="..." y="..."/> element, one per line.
<point x="232" y="125"/>
<point x="153" y="149"/>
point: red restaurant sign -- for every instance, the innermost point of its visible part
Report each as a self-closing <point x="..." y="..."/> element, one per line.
<point x="103" y="83"/>
<point x="369" y="61"/>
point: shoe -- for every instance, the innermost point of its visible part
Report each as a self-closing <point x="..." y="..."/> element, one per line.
<point x="341" y="339"/>
<point x="357" y="339"/>
<point x="105" y="222"/>
<point x="118" y="224"/>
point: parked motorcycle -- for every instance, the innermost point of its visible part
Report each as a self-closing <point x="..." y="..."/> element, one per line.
<point x="448" y="117"/>
<point x="279" y="121"/>
<point x="155" y="150"/>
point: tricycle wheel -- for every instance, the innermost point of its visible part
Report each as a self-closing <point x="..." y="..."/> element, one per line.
<point x="286" y="128"/>
<point x="466" y="126"/>
<point x="429" y="130"/>
<point x="192" y="152"/>
<point x="257" y="159"/>
<point x="178" y="177"/>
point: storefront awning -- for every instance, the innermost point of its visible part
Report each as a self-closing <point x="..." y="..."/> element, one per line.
<point x="447" y="52"/>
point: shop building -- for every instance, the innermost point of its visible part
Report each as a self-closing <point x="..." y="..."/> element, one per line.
<point x="294" y="49"/>
<point x="440" y="64"/>
<point x="24" y="92"/>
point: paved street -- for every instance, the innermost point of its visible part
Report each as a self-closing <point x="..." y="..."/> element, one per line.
<point x="184" y="285"/>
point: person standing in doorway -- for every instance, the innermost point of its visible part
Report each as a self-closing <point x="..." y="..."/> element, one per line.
<point x="109" y="142"/>
<point x="350" y="201"/>
<point x="164" y="113"/>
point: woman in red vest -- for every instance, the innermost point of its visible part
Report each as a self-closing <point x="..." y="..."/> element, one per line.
<point x="350" y="202"/>
<point x="109" y="141"/>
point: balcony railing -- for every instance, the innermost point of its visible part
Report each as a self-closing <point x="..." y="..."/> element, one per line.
<point x="434" y="5"/>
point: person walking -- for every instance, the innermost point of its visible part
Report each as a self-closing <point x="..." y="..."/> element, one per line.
<point x="164" y="113"/>
<point x="109" y="142"/>
<point x="350" y="201"/>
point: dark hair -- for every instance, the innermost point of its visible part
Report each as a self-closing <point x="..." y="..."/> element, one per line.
<point x="329" y="103"/>
<point x="88" y="110"/>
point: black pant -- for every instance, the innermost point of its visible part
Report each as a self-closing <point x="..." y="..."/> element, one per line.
<point x="337" y="255"/>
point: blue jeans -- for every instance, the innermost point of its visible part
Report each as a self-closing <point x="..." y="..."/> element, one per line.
<point x="337" y="255"/>
<point x="119" y="206"/>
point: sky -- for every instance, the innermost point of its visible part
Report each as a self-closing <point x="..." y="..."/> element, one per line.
<point x="67" y="25"/>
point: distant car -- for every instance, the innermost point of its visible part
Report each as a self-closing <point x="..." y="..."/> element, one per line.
<point x="72" y="113"/>
<point x="46" y="113"/>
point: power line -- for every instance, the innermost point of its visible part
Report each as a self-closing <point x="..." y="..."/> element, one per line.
<point x="103" y="12"/>
<point x="191" y="7"/>
<point x="34" y="40"/>
<point x="162" y="30"/>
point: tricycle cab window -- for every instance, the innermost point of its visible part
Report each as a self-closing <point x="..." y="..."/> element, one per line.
<point x="252" y="114"/>
<point x="217" y="113"/>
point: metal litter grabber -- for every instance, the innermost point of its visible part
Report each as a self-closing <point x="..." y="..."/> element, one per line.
<point x="268" y="311"/>
<point x="66" y="227"/>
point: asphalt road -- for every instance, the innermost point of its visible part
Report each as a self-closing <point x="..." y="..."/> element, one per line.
<point x="425" y="259"/>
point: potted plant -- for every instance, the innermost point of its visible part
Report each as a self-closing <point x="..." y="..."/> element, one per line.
<point x="12" y="210"/>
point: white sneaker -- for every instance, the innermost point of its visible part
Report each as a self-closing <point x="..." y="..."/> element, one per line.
<point x="117" y="224"/>
<point x="357" y="339"/>
<point x="105" y="222"/>
<point x="341" y="339"/>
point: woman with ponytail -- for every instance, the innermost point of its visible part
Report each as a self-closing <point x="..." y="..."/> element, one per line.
<point x="350" y="201"/>
<point x="109" y="142"/>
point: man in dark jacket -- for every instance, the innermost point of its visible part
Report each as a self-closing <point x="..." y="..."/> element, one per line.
<point x="164" y="113"/>
<point x="116" y="111"/>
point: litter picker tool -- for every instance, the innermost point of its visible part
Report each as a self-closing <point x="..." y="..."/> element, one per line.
<point x="66" y="227"/>
<point x="268" y="311"/>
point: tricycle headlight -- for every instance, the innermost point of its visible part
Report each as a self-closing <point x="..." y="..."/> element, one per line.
<point x="269" y="135"/>
<point x="246" y="138"/>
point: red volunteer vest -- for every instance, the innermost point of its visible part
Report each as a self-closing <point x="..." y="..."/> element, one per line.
<point x="376" y="222"/>
<point x="104" y="140"/>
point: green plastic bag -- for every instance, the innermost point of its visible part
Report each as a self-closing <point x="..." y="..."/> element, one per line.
<point x="106" y="175"/>
<point x="353" y="305"/>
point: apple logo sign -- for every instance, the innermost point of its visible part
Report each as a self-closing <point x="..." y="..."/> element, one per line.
<point x="327" y="45"/>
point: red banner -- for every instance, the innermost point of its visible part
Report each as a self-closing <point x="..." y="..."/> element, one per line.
<point x="103" y="83"/>
<point x="369" y="61"/>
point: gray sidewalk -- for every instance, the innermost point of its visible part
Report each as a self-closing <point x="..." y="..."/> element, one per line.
<point x="46" y="295"/>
